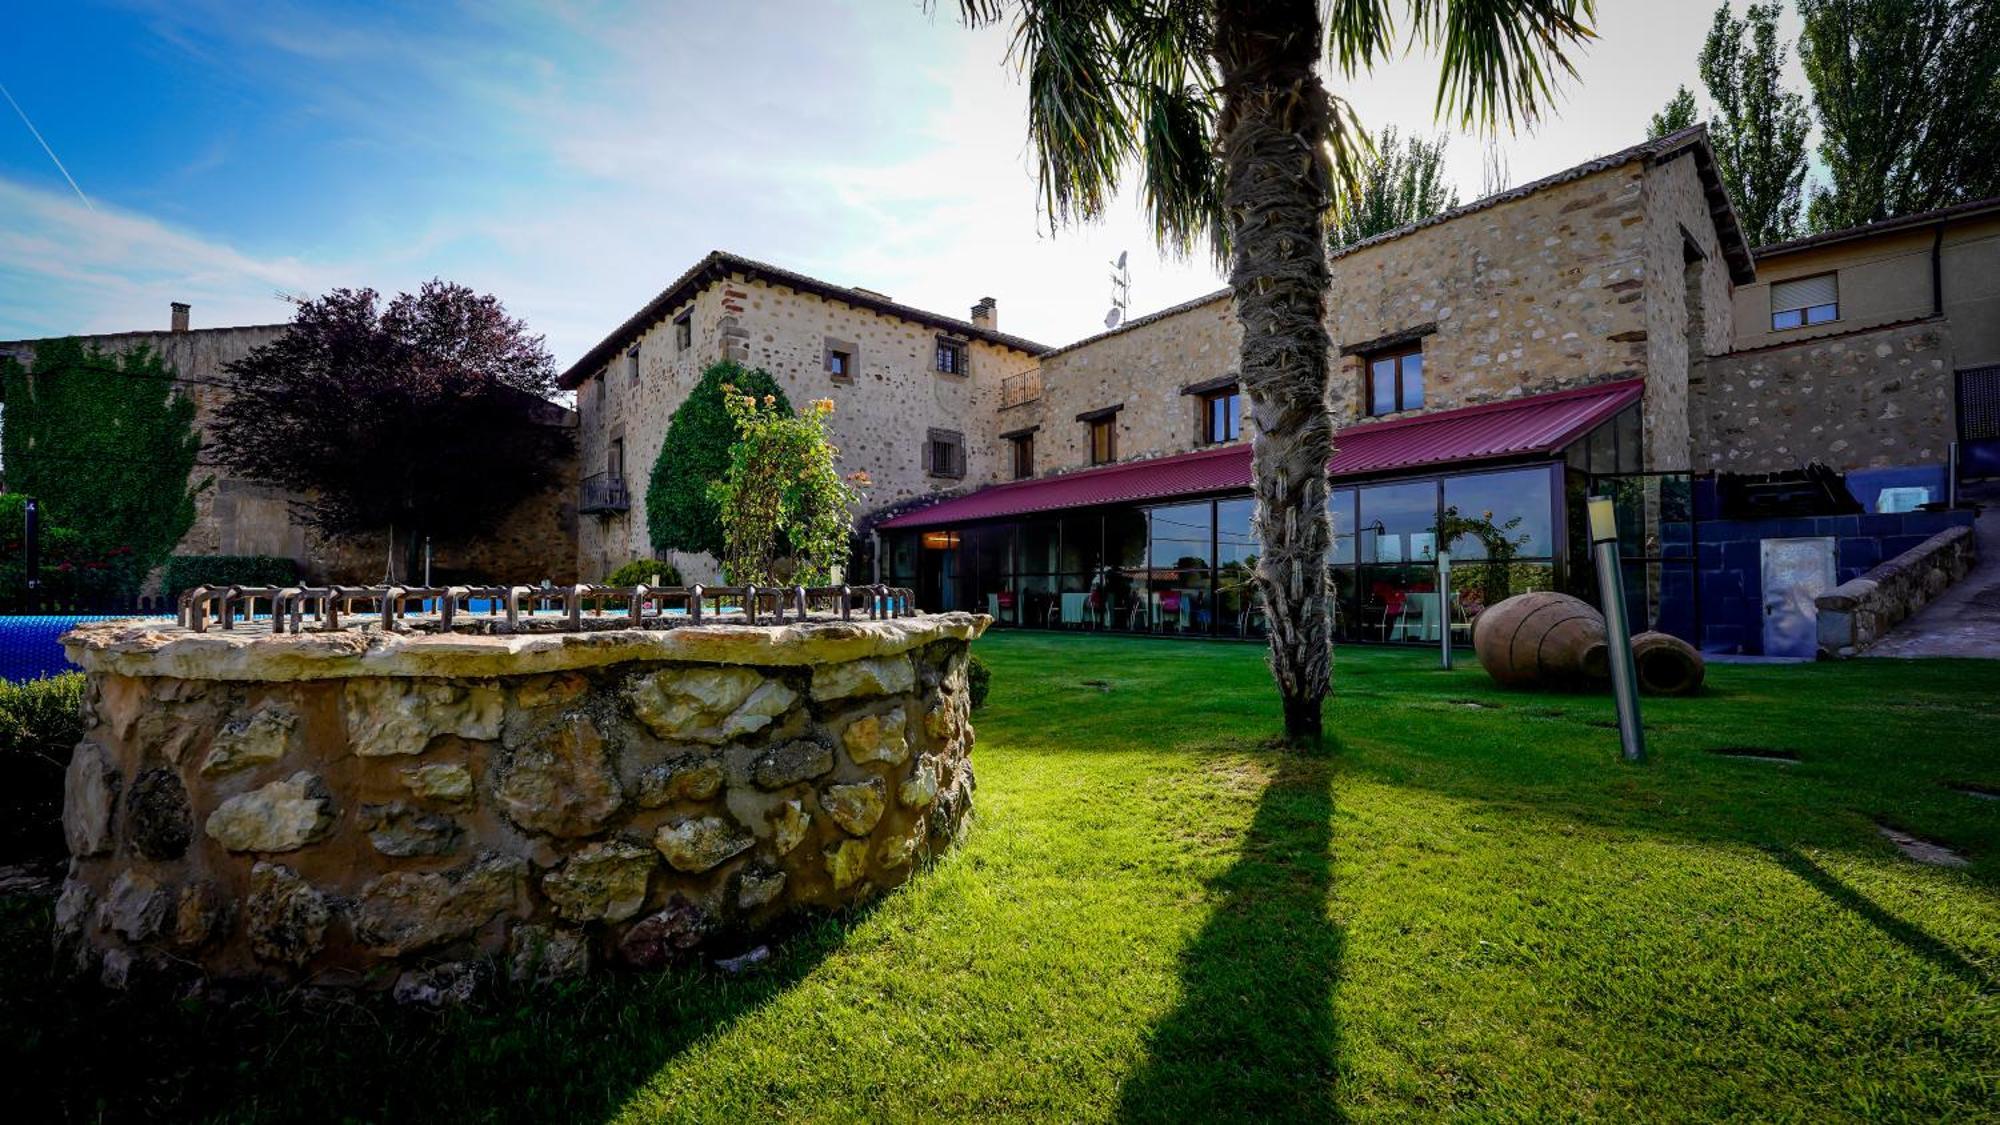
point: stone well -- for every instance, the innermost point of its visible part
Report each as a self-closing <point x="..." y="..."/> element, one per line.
<point x="374" y="809"/>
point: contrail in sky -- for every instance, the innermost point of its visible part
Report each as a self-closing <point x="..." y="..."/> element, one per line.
<point x="46" y="148"/>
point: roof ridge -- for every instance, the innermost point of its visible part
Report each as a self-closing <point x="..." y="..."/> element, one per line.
<point x="652" y="311"/>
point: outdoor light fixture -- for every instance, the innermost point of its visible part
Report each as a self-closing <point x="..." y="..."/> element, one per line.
<point x="1444" y="608"/>
<point x="1617" y="631"/>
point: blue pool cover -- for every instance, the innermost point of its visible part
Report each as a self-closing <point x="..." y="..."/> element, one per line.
<point x="29" y="648"/>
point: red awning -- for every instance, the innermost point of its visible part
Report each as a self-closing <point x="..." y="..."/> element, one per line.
<point x="1539" y="424"/>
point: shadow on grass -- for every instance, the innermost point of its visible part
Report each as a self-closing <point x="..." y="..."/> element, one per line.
<point x="569" y="1051"/>
<point x="1253" y="1034"/>
<point x="1903" y="933"/>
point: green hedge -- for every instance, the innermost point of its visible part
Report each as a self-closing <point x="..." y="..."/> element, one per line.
<point x="978" y="681"/>
<point x="41" y="721"/>
<point x="644" y="570"/>
<point x="184" y="572"/>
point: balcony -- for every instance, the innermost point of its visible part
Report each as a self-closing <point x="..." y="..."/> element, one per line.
<point x="603" y="494"/>
<point x="1016" y="390"/>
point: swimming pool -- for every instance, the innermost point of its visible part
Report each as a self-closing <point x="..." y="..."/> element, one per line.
<point x="30" y="648"/>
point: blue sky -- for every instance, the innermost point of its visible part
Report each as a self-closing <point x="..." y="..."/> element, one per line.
<point x="574" y="157"/>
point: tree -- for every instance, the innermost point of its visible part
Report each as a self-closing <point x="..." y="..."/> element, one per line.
<point x="426" y="416"/>
<point x="106" y="442"/>
<point x="1678" y="114"/>
<point x="1402" y="183"/>
<point x="1908" y="97"/>
<point x="787" y="512"/>
<point x="681" y="513"/>
<point x="1218" y="109"/>
<point x="1759" y="128"/>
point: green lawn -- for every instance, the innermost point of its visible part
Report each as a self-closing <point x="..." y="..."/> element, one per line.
<point x="1470" y="907"/>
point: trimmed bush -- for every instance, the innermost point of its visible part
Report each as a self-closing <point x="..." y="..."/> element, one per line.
<point x="680" y="513"/>
<point x="978" y="681"/>
<point x="184" y="572"/>
<point x="644" y="570"/>
<point x="41" y="721"/>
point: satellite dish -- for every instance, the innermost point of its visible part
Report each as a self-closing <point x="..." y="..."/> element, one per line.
<point x="1114" y="317"/>
<point x="1121" y="259"/>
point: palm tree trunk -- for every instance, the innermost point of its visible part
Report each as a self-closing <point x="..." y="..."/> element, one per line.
<point x="1276" y="191"/>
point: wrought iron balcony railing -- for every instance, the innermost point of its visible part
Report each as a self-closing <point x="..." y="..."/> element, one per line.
<point x="603" y="493"/>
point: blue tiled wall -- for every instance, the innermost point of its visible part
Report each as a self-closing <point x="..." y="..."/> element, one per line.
<point x="1730" y="577"/>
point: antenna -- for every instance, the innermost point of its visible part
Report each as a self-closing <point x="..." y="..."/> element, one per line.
<point x="1121" y="292"/>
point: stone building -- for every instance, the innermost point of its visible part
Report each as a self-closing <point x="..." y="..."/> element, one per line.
<point x="236" y="516"/>
<point x="1871" y="349"/>
<point x="913" y="392"/>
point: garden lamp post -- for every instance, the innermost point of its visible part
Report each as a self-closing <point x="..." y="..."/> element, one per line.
<point x="1444" y="609"/>
<point x="1618" y="632"/>
<point x="31" y="541"/>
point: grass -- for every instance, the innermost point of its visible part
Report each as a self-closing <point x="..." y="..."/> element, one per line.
<point x="1469" y="908"/>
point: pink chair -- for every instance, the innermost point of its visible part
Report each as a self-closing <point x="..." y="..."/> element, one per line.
<point x="1170" y="608"/>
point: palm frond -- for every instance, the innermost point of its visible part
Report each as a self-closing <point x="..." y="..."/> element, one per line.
<point x="1077" y="116"/>
<point x="1501" y="58"/>
<point x="1357" y="33"/>
<point x="1180" y="171"/>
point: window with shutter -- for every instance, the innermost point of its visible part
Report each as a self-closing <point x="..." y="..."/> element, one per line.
<point x="1805" y="301"/>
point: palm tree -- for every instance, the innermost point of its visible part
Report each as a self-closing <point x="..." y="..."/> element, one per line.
<point x="1219" y="107"/>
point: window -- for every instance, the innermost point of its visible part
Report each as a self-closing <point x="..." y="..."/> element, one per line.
<point x="950" y="356"/>
<point x="1221" y="417"/>
<point x="1395" y="380"/>
<point x="614" y="459"/>
<point x="1021" y="448"/>
<point x="684" y="331"/>
<point x="1805" y="301"/>
<point x="632" y="363"/>
<point x="944" y="453"/>
<point x="1104" y="440"/>
<point x="840" y="362"/>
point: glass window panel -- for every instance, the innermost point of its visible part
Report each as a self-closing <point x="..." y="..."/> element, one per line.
<point x="1398" y="603"/>
<point x="1125" y="538"/>
<point x="1393" y="517"/>
<point x="1382" y="394"/>
<point x="1511" y="508"/>
<point x="901" y="568"/>
<point x="1038" y="603"/>
<point x="1340" y="505"/>
<point x="1603" y="450"/>
<point x="1038" y="547"/>
<point x="1413" y="381"/>
<point x="1631" y="441"/>
<point x="1790" y="318"/>
<point x="1181" y="537"/>
<point x="1820" y="314"/>
<point x="1235" y="538"/>
<point x="1082" y="544"/>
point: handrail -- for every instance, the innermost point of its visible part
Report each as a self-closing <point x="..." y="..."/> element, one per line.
<point x="645" y="606"/>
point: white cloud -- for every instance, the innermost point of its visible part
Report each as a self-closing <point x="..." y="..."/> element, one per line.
<point x="601" y="151"/>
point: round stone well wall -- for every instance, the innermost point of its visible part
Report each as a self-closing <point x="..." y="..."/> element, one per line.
<point x="370" y="809"/>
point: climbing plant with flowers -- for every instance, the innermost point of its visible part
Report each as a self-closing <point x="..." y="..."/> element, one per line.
<point x="787" y="510"/>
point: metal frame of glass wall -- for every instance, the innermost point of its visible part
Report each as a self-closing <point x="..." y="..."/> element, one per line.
<point x="1183" y="568"/>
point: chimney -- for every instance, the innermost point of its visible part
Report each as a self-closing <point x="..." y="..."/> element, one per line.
<point x="986" y="314"/>
<point x="180" y="316"/>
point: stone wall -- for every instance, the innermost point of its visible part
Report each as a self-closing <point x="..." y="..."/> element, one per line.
<point x="881" y="417"/>
<point x="1870" y="399"/>
<point x="373" y="811"/>
<point x="234" y="516"/>
<point x="1576" y="283"/>
<point x="1861" y="611"/>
